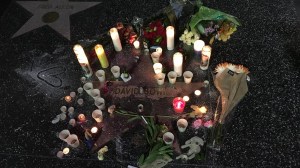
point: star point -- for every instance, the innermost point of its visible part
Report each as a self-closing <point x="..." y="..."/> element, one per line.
<point x="54" y="13"/>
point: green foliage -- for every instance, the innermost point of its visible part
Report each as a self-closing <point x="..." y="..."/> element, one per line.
<point x="157" y="147"/>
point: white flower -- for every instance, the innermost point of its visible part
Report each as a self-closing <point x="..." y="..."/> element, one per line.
<point x="185" y="31"/>
<point x="231" y="67"/>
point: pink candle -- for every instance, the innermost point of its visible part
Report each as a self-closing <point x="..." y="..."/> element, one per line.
<point x="178" y="104"/>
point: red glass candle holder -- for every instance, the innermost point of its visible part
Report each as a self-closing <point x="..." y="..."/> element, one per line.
<point x="178" y="104"/>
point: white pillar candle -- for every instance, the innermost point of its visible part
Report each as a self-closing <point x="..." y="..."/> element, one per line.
<point x="101" y="75"/>
<point x="182" y="125"/>
<point x="155" y="57"/>
<point x="157" y="67"/>
<point x="101" y="56"/>
<point x="95" y="93"/>
<point x="198" y="45"/>
<point x="170" y="37"/>
<point x="97" y="115"/>
<point x="88" y="87"/>
<point x="100" y="103"/>
<point x="115" y="39"/>
<point x="82" y="59"/>
<point x="177" y="62"/>
<point x="160" y="78"/>
<point x="172" y="77"/>
<point x="168" y="138"/>
<point x="187" y="75"/>
<point x="115" y="70"/>
<point x="136" y="44"/>
<point x="205" y="57"/>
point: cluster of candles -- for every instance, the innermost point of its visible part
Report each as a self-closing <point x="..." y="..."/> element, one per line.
<point x="179" y="103"/>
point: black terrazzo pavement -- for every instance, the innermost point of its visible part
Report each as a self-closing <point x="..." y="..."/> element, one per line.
<point x="264" y="130"/>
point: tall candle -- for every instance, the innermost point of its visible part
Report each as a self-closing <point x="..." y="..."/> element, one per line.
<point x="178" y="104"/>
<point x="101" y="56"/>
<point x="205" y="57"/>
<point x="116" y="39"/>
<point x="170" y="37"/>
<point x="82" y="59"/>
<point x="177" y="61"/>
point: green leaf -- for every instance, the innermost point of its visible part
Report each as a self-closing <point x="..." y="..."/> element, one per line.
<point x="165" y="147"/>
<point x="147" y="137"/>
<point x="151" y="158"/>
<point x="141" y="160"/>
<point x="165" y="151"/>
<point x="133" y="118"/>
<point x="150" y="131"/>
<point x="200" y="28"/>
<point x="156" y="147"/>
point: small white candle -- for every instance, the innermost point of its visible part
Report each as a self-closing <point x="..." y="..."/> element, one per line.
<point x="168" y="138"/>
<point x="177" y="61"/>
<point x="155" y="57"/>
<point x="160" y="78"/>
<point x="100" y="103"/>
<point x="95" y="93"/>
<point x="172" y="77"/>
<point x="205" y="57"/>
<point x="101" y="75"/>
<point x="115" y="70"/>
<point x="88" y="87"/>
<point x="82" y="59"/>
<point x="94" y="130"/>
<point x="188" y="75"/>
<point x="97" y="115"/>
<point x="66" y="151"/>
<point x="116" y="39"/>
<point x="186" y="98"/>
<point x="136" y="44"/>
<point x="157" y="67"/>
<point x="198" y="45"/>
<point x="197" y="93"/>
<point x="182" y="124"/>
<point x="170" y="37"/>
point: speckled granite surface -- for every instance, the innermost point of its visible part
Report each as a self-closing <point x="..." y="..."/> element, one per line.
<point x="264" y="131"/>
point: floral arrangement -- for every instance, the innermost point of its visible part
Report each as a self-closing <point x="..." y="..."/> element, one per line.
<point x="213" y="24"/>
<point x="155" y="33"/>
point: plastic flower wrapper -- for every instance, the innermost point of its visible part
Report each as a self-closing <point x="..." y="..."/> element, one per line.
<point x="231" y="81"/>
<point x="213" y="24"/>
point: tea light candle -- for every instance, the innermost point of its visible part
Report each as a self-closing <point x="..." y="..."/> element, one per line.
<point x="197" y="93"/>
<point x="160" y="78"/>
<point x="73" y="95"/>
<point x="82" y="59"/>
<point x="157" y="68"/>
<point x="198" y="45"/>
<point x="206" y="53"/>
<point x="170" y="37"/>
<point x="182" y="124"/>
<point x="66" y="151"/>
<point x="188" y="75"/>
<point x="68" y="99"/>
<point x="136" y="44"/>
<point x="100" y="103"/>
<point x="116" y="39"/>
<point x="177" y="61"/>
<point x="115" y="71"/>
<point x="178" y="104"/>
<point x="101" y="56"/>
<point x="94" y="130"/>
<point x="186" y="98"/>
<point x="81" y="117"/>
